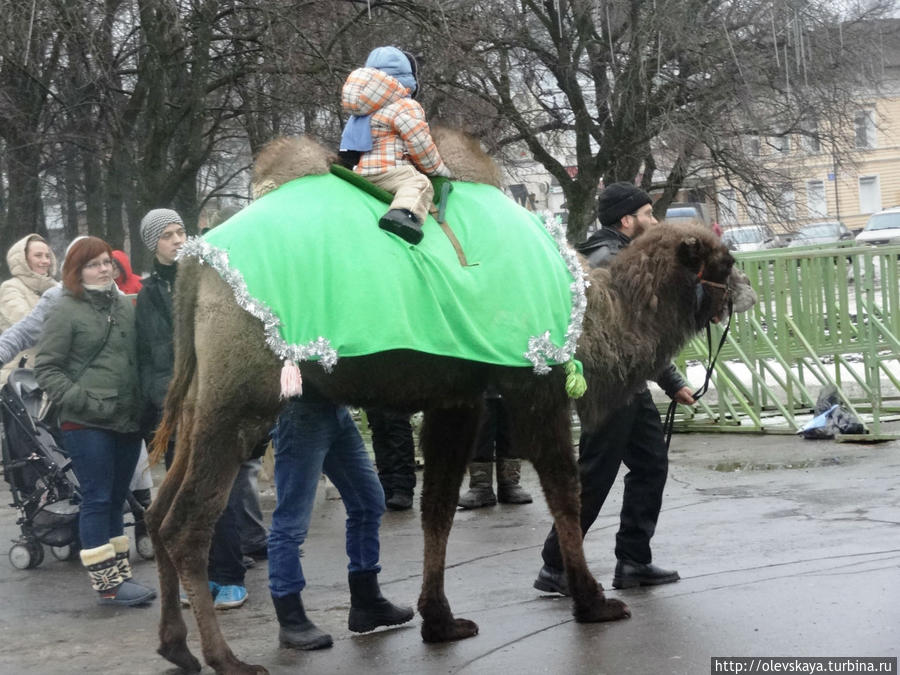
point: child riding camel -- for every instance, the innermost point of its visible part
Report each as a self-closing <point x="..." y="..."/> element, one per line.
<point x="388" y="128"/>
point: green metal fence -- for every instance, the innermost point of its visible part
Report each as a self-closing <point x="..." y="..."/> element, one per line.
<point x="825" y="316"/>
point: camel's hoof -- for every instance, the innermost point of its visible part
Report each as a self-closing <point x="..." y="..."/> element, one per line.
<point x="231" y="665"/>
<point x="239" y="668"/>
<point x="457" y="629"/>
<point x="180" y="655"/>
<point x="604" y="609"/>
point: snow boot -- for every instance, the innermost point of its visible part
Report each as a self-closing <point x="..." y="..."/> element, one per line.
<point x="368" y="608"/>
<point x="481" y="492"/>
<point x="508" y="489"/>
<point x="295" y="630"/>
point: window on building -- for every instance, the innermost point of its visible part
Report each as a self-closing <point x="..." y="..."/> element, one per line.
<point x="865" y="129"/>
<point x="727" y="207"/>
<point x="811" y="141"/>
<point x="753" y="146"/>
<point x="756" y="208"/>
<point x="787" y="207"/>
<point x="780" y="144"/>
<point x="869" y="194"/>
<point x="816" y="206"/>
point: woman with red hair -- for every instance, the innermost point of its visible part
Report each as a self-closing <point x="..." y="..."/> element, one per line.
<point x="87" y="364"/>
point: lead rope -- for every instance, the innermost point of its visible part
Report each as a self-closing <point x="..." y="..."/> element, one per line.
<point x="669" y="424"/>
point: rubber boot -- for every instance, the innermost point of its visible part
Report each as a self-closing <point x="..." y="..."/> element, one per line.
<point x="481" y="492"/>
<point x="508" y="489"/>
<point x="295" y="630"/>
<point x="106" y="579"/>
<point x="120" y="545"/>
<point x="368" y="608"/>
<point x="404" y="224"/>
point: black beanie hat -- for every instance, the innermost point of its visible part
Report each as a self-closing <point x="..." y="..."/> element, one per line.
<point x="619" y="199"/>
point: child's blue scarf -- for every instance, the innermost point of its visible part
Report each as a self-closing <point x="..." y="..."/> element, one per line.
<point x="357" y="133"/>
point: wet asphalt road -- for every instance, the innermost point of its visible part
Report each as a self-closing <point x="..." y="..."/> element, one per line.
<point x="785" y="548"/>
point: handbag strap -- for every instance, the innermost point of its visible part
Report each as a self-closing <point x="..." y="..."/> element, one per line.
<point x="109" y="325"/>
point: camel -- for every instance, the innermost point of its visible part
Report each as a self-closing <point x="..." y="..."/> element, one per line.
<point x="224" y="397"/>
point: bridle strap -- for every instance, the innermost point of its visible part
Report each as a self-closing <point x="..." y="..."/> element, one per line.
<point x="669" y="423"/>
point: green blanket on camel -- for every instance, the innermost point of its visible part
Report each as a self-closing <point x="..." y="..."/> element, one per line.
<point x="310" y="261"/>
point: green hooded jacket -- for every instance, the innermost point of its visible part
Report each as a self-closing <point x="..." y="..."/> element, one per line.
<point x="107" y="394"/>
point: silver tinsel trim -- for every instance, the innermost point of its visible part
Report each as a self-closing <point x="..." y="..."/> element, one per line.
<point x="319" y="349"/>
<point x="540" y="348"/>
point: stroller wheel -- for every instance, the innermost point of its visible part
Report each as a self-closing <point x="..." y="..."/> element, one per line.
<point x="26" y="555"/>
<point x="37" y="553"/>
<point x="64" y="553"/>
<point x="144" y="547"/>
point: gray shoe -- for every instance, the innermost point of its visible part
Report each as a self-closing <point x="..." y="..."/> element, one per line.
<point x="127" y="594"/>
<point x="552" y="580"/>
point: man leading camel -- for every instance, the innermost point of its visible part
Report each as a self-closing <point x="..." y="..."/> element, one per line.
<point x="633" y="434"/>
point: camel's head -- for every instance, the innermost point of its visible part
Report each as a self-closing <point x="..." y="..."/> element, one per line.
<point x="681" y="267"/>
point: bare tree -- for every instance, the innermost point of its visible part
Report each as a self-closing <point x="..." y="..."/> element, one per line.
<point x="658" y="91"/>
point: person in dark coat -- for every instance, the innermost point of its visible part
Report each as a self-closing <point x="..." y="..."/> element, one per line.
<point x="162" y="231"/>
<point x="395" y="456"/>
<point x="633" y="434"/>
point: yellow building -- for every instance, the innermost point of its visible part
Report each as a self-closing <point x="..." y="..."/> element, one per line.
<point x="821" y="185"/>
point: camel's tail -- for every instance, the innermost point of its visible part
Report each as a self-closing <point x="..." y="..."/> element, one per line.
<point x="185" y="304"/>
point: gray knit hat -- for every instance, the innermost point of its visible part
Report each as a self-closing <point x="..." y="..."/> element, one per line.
<point x="153" y="224"/>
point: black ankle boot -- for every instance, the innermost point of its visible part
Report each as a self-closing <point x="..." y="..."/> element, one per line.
<point x="295" y="629"/>
<point x="368" y="609"/>
<point x="404" y="224"/>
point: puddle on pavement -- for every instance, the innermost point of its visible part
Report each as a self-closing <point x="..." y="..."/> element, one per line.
<point x="731" y="467"/>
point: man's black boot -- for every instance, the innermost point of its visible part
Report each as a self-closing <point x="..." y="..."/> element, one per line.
<point x="552" y="580"/>
<point x="629" y="575"/>
<point x="368" y="608"/>
<point x="295" y="629"/>
<point x="404" y="224"/>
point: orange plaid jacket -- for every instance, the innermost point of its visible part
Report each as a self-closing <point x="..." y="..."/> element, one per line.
<point x="400" y="134"/>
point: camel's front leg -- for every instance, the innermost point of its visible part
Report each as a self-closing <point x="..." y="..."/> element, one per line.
<point x="447" y="437"/>
<point x="546" y="439"/>
<point x="187" y="531"/>
<point x="172" y="629"/>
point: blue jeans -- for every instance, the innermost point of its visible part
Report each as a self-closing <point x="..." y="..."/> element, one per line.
<point x="311" y="438"/>
<point x="103" y="462"/>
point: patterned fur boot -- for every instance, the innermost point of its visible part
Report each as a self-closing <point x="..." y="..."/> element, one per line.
<point x="106" y="579"/>
<point x="121" y="545"/>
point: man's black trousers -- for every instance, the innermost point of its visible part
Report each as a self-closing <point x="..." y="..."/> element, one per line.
<point x="632" y="435"/>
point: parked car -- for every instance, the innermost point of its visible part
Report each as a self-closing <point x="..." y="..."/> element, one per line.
<point x="820" y="233"/>
<point x="882" y="228"/>
<point x="749" y="238"/>
<point x="683" y="213"/>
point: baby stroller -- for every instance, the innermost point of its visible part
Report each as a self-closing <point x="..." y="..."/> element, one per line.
<point x="43" y="485"/>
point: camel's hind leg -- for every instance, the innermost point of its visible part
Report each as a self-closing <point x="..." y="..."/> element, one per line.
<point x="219" y="443"/>
<point x="447" y="438"/>
<point x="542" y="432"/>
<point x="172" y="629"/>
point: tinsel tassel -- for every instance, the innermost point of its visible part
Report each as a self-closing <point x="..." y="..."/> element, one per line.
<point x="291" y="380"/>
<point x="576" y="385"/>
